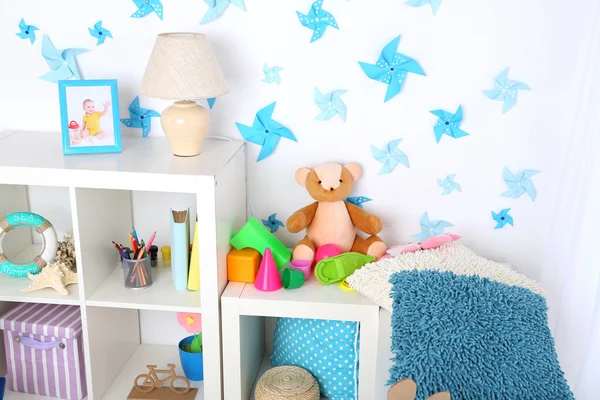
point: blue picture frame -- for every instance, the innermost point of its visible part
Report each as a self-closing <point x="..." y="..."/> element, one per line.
<point x="76" y="139"/>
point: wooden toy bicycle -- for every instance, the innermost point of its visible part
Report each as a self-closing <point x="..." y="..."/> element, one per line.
<point x="146" y="383"/>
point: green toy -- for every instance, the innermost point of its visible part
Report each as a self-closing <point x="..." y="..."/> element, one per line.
<point x="335" y="269"/>
<point x="256" y="236"/>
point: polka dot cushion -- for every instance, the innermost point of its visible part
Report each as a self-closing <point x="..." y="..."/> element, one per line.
<point x="327" y="349"/>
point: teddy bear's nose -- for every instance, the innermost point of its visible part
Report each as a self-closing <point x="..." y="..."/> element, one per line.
<point x="332" y="189"/>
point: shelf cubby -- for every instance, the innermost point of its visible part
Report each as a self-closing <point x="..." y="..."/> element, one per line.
<point x="245" y="310"/>
<point x="101" y="196"/>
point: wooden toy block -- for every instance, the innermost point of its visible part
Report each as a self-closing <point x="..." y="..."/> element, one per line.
<point x="242" y="265"/>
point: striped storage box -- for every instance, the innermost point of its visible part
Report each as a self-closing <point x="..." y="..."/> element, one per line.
<point x="44" y="350"/>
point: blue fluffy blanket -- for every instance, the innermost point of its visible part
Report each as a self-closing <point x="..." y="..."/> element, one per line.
<point x="473" y="337"/>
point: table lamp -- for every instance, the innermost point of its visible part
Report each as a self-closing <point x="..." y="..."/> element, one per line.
<point x="183" y="67"/>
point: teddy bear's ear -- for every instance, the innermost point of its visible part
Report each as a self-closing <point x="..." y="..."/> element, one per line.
<point x="302" y="175"/>
<point x="354" y="170"/>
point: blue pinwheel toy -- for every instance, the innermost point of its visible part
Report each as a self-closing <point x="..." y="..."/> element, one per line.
<point x="390" y="156"/>
<point x="358" y="200"/>
<point x="502" y="218"/>
<point x="27" y="31"/>
<point x="100" y="33"/>
<point x="519" y="183"/>
<point x="272" y="223"/>
<point x="391" y="68"/>
<point x="317" y="19"/>
<point x="272" y="74"/>
<point x="62" y="63"/>
<point x="330" y="104"/>
<point x="448" y="124"/>
<point x="265" y="131"/>
<point x="146" y="7"/>
<point x="505" y="90"/>
<point x="139" y="117"/>
<point x="217" y="7"/>
<point x="431" y="228"/>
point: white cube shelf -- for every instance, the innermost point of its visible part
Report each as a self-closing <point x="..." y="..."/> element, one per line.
<point x="107" y="194"/>
<point x="243" y="311"/>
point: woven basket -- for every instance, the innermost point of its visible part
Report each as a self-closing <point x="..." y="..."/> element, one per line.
<point x="290" y="383"/>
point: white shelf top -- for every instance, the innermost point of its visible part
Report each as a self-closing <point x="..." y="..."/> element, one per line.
<point x="312" y="300"/>
<point x="161" y="296"/>
<point x="144" y="164"/>
<point x="10" y="290"/>
<point x="10" y="287"/>
<point x="147" y="354"/>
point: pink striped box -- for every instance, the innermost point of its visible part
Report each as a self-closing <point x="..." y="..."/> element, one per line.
<point x="44" y="350"/>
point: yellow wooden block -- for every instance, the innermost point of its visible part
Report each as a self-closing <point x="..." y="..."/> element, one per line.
<point x="242" y="265"/>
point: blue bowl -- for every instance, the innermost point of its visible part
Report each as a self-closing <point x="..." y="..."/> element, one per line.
<point x="192" y="363"/>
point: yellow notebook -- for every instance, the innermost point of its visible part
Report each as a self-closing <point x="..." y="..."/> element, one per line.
<point x="194" y="274"/>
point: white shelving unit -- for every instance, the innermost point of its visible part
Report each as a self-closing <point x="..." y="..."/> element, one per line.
<point x="100" y="189"/>
<point x="244" y="309"/>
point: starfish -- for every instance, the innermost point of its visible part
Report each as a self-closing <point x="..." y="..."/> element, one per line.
<point x="55" y="275"/>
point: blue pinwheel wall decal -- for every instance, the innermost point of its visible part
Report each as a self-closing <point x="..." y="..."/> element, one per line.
<point x="317" y="19"/>
<point x="272" y="223"/>
<point x="435" y="4"/>
<point x="272" y="74"/>
<point x="100" y="33"/>
<point x="448" y="184"/>
<point x="519" y="183"/>
<point x="431" y="228"/>
<point x="505" y="90"/>
<point x="139" y="117"/>
<point x="265" y="131"/>
<point x="330" y="104"/>
<point x="502" y="218"/>
<point x="358" y="201"/>
<point x="390" y="156"/>
<point x="146" y="7"/>
<point x="448" y="124"/>
<point x="27" y="31"/>
<point x="217" y="7"/>
<point x="391" y="68"/>
<point x="63" y="63"/>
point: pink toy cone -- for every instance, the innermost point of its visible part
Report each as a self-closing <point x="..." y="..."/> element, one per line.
<point x="268" y="279"/>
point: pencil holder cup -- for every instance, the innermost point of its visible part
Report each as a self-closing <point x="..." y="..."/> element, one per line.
<point x="137" y="273"/>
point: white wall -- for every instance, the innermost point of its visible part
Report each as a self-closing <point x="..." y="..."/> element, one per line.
<point x="462" y="49"/>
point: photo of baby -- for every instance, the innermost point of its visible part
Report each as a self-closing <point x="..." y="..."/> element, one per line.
<point x="89" y="116"/>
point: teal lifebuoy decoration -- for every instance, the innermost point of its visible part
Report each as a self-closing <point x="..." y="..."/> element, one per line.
<point x="49" y="246"/>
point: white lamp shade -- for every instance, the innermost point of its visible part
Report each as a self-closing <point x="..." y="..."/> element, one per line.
<point x="182" y="66"/>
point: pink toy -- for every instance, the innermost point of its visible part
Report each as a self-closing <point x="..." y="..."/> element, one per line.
<point x="428" y="244"/>
<point x="436" y="241"/>
<point x="326" y="251"/>
<point x="268" y="279"/>
<point x="303" y="266"/>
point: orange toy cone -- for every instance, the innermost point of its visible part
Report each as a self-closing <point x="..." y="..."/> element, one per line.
<point x="268" y="279"/>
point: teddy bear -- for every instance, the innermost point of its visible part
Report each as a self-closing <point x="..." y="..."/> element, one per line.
<point x="331" y="219"/>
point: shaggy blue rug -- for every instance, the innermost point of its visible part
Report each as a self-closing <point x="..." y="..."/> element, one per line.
<point x="475" y="338"/>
